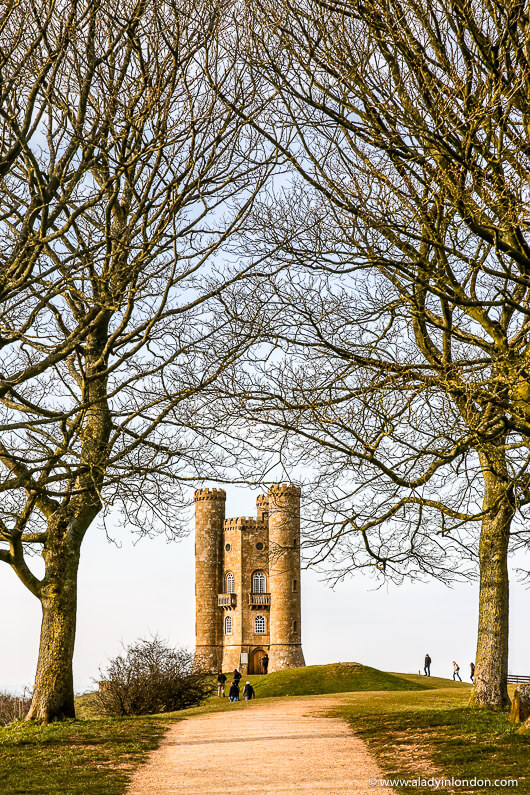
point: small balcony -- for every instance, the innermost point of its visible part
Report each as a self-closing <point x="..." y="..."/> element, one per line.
<point x="227" y="600"/>
<point x="259" y="599"/>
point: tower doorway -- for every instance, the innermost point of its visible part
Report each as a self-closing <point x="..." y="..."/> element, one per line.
<point x="256" y="661"/>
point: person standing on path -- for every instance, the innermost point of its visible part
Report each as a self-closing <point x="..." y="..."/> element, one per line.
<point x="472" y="669"/>
<point x="221" y="681"/>
<point x="456" y="669"/>
<point x="265" y="663"/>
<point x="248" y="692"/>
<point x="427" y="668"/>
<point x="233" y="693"/>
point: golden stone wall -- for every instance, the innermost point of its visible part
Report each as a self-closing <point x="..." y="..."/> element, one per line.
<point x="254" y="560"/>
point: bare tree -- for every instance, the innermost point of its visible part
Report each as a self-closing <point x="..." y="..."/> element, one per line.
<point x="404" y="320"/>
<point x="124" y="175"/>
<point x="151" y="677"/>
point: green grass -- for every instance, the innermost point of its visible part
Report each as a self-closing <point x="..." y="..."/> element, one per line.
<point x="435" y="734"/>
<point x="87" y="756"/>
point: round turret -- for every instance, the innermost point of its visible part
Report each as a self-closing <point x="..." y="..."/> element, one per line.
<point x="284" y="577"/>
<point x="209" y="521"/>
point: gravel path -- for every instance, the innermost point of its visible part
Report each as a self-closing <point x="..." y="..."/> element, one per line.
<point x="284" y="746"/>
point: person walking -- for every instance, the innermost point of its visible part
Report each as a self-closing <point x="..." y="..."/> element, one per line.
<point x="237" y="676"/>
<point x="221" y="681"/>
<point x="456" y="669"/>
<point x="472" y="670"/>
<point x="265" y="663"/>
<point x="427" y="667"/>
<point x="248" y="692"/>
<point x="233" y="693"/>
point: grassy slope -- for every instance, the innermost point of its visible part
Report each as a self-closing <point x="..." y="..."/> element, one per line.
<point x="335" y="678"/>
<point x="75" y="757"/>
<point x="435" y="734"/>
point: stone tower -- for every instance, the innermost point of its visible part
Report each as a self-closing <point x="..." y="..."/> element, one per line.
<point x="284" y="577"/>
<point x="209" y="522"/>
<point x="248" y="582"/>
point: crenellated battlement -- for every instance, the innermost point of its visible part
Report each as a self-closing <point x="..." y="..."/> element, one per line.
<point x="280" y="489"/>
<point x="243" y="522"/>
<point x="209" y="494"/>
<point x="262" y="499"/>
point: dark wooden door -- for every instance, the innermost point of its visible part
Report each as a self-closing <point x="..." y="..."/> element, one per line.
<point x="257" y="661"/>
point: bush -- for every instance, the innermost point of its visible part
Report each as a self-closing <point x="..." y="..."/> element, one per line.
<point x="150" y="677"/>
<point x="12" y="708"/>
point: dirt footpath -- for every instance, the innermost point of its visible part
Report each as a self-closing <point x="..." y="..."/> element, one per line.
<point x="283" y="746"/>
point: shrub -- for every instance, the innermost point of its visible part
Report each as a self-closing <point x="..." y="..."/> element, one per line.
<point x="12" y="708"/>
<point x="150" y="677"/>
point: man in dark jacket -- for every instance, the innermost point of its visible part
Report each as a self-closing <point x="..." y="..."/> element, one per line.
<point x="427" y="667"/>
<point x="233" y="693"/>
<point x="221" y="681"/>
<point x="265" y="663"/>
<point x="248" y="692"/>
<point x="237" y="676"/>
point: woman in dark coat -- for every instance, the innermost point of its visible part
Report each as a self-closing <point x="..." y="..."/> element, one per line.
<point x="233" y="693"/>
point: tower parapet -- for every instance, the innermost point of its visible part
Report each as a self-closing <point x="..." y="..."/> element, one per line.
<point x="243" y="522"/>
<point x="284" y="577"/>
<point x="209" y="494"/>
<point x="209" y="521"/>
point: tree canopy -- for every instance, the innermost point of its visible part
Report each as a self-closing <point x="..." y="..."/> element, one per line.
<point x="401" y="318"/>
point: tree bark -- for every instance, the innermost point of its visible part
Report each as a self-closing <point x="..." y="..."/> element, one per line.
<point x="53" y="693"/>
<point x="491" y="671"/>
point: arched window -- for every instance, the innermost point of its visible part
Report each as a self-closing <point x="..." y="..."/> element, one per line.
<point x="228" y="625"/>
<point x="230" y="583"/>
<point x="259" y="625"/>
<point x="259" y="582"/>
<point x="295" y="626"/>
<point x="295" y="586"/>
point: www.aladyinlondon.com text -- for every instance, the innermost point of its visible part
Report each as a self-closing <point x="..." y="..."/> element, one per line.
<point x="444" y="783"/>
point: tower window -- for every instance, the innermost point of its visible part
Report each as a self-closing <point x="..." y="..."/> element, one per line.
<point x="295" y="585"/>
<point x="259" y="545"/>
<point x="294" y="542"/>
<point x="259" y="582"/>
<point x="295" y="626"/>
<point x="259" y="625"/>
<point x="230" y="583"/>
<point x="228" y="547"/>
<point x="228" y="625"/>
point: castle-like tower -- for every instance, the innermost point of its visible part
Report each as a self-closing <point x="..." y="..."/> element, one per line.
<point x="247" y="582"/>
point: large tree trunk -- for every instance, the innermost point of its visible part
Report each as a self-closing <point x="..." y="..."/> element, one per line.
<point x="53" y="693"/>
<point x="492" y="643"/>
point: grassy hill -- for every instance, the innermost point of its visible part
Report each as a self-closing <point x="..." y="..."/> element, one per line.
<point x="335" y="678"/>
<point x="312" y="680"/>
